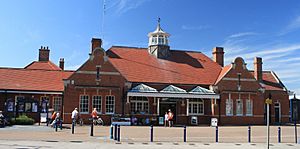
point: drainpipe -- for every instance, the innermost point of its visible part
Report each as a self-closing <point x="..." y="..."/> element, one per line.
<point x="219" y="103"/>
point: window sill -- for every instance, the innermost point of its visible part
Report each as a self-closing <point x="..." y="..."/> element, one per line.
<point x="249" y="114"/>
<point x="239" y="115"/>
<point x="229" y="115"/>
<point x="196" y="114"/>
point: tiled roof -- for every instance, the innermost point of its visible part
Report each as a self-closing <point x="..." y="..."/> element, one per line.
<point x="182" y="67"/>
<point x="271" y="81"/>
<point x="32" y="80"/>
<point x="42" y="65"/>
<point x="223" y="72"/>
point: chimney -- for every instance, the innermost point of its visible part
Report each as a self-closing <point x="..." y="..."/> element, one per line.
<point x="61" y="63"/>
<point x="96" y="42"/>
<point x="258" y="68"/>
<point x="44" y="54"/>
<point x="218" y="55"/>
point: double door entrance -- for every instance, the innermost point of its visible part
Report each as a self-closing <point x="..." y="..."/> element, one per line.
<point x="165" y="106"/>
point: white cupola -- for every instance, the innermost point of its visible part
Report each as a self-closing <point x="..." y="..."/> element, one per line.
<point x="158" y="42"/>
<point x="158" y="37"/>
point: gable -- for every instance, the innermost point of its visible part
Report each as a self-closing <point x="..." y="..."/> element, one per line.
<point x="236" y="77"/>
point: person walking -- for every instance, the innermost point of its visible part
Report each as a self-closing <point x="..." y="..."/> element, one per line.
<point x="166" y="119"/>
<point x="170" y="118"/>
<point x="74" y="115"/>
<point x="94" y="115"/>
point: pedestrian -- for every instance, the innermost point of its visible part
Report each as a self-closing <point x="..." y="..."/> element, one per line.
<point x="56" y="119"/>
<point x="166" y="119"/>
<point x="3" y="120"/>
<point x="170" y="118"/>
<point x="74" y="115"/>
<point x="94" y="115"/>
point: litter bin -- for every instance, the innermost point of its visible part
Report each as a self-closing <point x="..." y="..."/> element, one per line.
<point x="214" y="122"/>
<point x="194" y="120"/>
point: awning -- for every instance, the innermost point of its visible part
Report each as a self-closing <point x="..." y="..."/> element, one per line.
<point x="172" y="92"/>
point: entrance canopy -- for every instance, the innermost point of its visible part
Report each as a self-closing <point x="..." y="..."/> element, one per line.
<point x="171" y="91"/>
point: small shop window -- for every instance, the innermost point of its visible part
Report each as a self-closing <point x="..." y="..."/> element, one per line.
<point x="110" y="104"/>
<point x="84" y="104"/>
<point x="139" y="105"/>
<point x="196" y="107"/>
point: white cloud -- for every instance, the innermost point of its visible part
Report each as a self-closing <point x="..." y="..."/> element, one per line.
<point x="292" y="26"/>
<point x="200" y="27"/>
<point x="242" y="34"/>
<point x="122" y="6"/>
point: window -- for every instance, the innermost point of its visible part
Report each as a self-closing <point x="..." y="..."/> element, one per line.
<point x="97" y="103"/>
<point x="139" y="105"/>
<point x="98" y="73"/>
<point x="84" y="104"/>
<point x="239" y="107"/>
<point x="44" y="103"/>
<point x="196" y="107"/>
<point x="110" y="104"/>
<point x="57" y="102"/>
<point x="249" y="107"/>
<point x="229" y="107"/>
<point x="160" y="39"/>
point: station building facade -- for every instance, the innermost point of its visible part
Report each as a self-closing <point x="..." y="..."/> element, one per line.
<point x="143" y="83"/>
<point x="34" y="89"/>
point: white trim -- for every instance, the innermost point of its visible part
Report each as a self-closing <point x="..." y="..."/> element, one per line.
<point x="157" y="109"/>
<point x="101" y="72"/>
<point x="187" y="107"/>
<point x="31" y="92"/>
<point x="174" y="95"/>
<point x="236" y="79"/>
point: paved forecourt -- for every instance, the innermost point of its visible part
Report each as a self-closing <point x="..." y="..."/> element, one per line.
<point x="141" y="134"/>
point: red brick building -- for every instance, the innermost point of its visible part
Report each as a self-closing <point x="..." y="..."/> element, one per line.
<point x="145" y="82"/>
<point x="34" y="88"/>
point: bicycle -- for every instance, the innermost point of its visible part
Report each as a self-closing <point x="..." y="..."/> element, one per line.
<point x="98" y="121"/>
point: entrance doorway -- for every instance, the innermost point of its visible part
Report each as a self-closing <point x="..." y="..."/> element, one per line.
<point x="164" y="106"/>
<point x="277" y="113"/>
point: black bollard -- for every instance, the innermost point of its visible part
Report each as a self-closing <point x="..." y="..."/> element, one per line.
<point x="119" y="133"/>
<point x="249" y="134"/>
<point x="55" y="125"/>
<point x="92" y="129"/>
<point x="111" y="131"/>
<point x="73" y="126"/>
<point x="184" y="133"/>
<point x="151" y="133"/>
<point x="217" y="134"/>
<point x="116" y="133"/>
<point x="279" y="135"/>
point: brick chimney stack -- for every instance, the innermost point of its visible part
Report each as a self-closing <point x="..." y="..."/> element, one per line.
<point x="218" y="55"/>
<point x="61" y="63"/>
<point x="96" y="42"/>
<point x="44" y="53"/>
<point x="258" y="68"/>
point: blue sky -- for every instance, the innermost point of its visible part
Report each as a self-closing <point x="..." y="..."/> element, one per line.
<point x="269" y="29"/>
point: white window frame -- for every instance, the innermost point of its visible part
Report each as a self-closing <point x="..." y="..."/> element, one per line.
<point x="229" y="106"/>
<point x="139" y="100"/>
<point x="98" y="104"/>
<point x="110" y="103"/>
<point x="57" y="103"/>
<point x="84" y="104"/>
<point x="196" y="103"/>
<point x="249" y="107"/>
<point x="239" y="112"/>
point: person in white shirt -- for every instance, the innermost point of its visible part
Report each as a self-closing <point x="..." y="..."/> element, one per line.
<point x="74" y="115"/>
<point x="166" y="119"/>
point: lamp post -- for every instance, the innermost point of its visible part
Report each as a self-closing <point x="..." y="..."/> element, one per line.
<point x="268" y="102"/>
